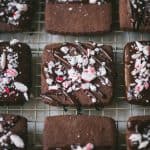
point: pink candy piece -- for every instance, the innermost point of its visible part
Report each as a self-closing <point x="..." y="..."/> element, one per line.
<point x="146" y="85"/>
<point x="139" y="88"/>
<point x="89" y="146"/>
<point x="59" y="79"/>
<point x="66" y="84"/>
<point x="11" y="72"/>
<point x="7" y="90"/>
<point x="89" y="74"/>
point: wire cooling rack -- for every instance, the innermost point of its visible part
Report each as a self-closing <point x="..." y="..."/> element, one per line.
<point x="36" y="111"/>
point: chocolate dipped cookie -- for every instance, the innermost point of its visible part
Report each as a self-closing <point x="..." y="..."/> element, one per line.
<point x="134" y="15"/>
<point x="78" y="16"/>
<point x="77" y="74"/>
<point x="15" y="15"/>
<point x="137" y="72"/>
<point x="15" y="72"/>
<point x="79" y="132"/>
<point x="138" y="133"/>
<point x="13" y="132"/>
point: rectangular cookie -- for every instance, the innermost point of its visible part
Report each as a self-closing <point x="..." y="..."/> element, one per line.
<point x="137" y="72"/>
<point x="13" y="132"/>
<point x="15" y="72"/>
<point x="15" y="15"/>
<point x="77" y="74"/>
<point x="138" y="133"/>
<point x="78" y="17"/>
<point x="134" y="15"/>
<point x="79" y="132"/>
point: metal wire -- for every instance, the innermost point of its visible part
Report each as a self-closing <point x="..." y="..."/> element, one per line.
<point x="36" y="111"/>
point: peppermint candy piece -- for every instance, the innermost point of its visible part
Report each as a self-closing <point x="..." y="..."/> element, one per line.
<point x="22" y="88"/>
<point x="146" y="50"/>
<point x="92" y="1"/>
<point x="1" y="128"/>
<point x="14" y="41"/>
<point x="139" y="45"/>
<point x="89" y="146"/>
<point x="89" y="74"/>
<point x="11" y="72"/>
<point x="135" y="137"/>
<point x="64" y="49"/>
<point x="17" y="141"/>
<point x="22" y="7"/>
<point x="143" y="144"/>
<point x="3" y="60"/>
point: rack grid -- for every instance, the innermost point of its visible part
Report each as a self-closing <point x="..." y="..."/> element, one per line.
<point x="36" y="111"/>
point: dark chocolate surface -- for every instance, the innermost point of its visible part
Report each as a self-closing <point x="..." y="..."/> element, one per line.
<point x="15" y="73"/>
<point x="13" y="132"/>
<point x="77" y="74"/>
<point x="78" y="18"/>
<point x="63" y="132"/>
<point x="137" y="72"/>
<point x="138" y="133"/>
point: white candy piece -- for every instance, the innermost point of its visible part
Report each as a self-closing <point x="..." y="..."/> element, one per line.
<point x="85" y="86"/>
<point x="49" y="81"/>
<point x="139" y="45"/>
<point x="22" y="7"/>
<point x="64" y="49"/>
<point x="26" y="96"/>
<point x="22" y="88"/>
<point x="143" y="144"/>
<point x="1" y="128"/>
<point x="92" y="88"/>
<point x="17" y="141"/>
<point x="3" y="60"/>
<point x="89" y="74"/>
<point x="146" y="50"/>
<point x="14" y="41"/>
<point x="102" y="71"/>
<point x="92" y="1"/>
<point x="53" y="87"/>
<point x="135" y="137"/>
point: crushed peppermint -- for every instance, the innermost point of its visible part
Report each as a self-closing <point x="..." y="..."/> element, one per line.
<point x="9" y="72"/>
<point x="74" y="69"/>
<point x="140" y="10"/>
<point x="140" y="72"/>
<point x="8" y="139"/>
<point x="13" y="11"/>
<point x="88" y="146"/>
<point x="141" y="137"/>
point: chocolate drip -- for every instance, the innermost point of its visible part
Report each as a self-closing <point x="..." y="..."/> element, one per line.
<point x="81" y="47"/>
<point x="90" y="46"/>
<point x="140" y="10"/>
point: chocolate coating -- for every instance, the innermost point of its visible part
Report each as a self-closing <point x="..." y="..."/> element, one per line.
<point x="131" y="18"/>
<point x="16" y="15"/>
<point x="9" y="94"/>
<point x="143" y="98"/>
<point x="15" y="126"/>
<point x="78" y="18"/>
<point x="79" y="130"/>
<point x="101" y="86"/>
<point x="137" y="126"/>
